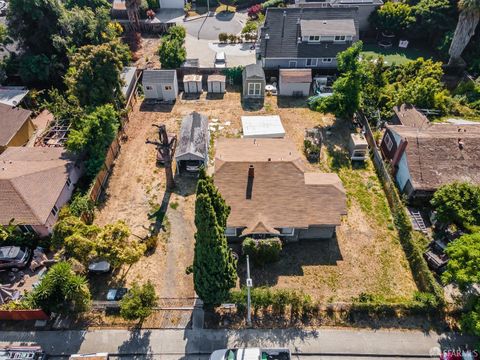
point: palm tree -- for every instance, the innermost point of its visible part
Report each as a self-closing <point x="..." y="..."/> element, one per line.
<point x="467" y="22"/>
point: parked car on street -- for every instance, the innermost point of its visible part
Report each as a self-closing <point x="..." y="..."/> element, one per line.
<point x="251" y="353"/>
<point x="14" y="257"/>
<point x="220" y="60"/>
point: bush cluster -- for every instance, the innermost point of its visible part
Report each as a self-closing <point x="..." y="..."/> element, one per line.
<point x="262" y="251"/>
<point x="231" y="38"/>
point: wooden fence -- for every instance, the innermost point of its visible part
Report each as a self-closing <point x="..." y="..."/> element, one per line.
<point x="36" y="314"/>
<point x="100" y="181"/>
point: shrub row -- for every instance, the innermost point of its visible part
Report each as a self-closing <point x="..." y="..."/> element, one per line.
<point x="262" y="251"/>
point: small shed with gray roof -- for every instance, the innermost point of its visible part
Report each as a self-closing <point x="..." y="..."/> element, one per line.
<point x="161" y="85"/>
<point x="253" y="82"/>
<point x="192" y="147"/>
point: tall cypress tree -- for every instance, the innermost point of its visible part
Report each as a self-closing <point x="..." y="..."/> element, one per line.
<point x="214" y="267"/>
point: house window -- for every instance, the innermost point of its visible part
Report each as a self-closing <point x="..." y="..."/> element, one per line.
<point x="340" y="38"/>
<point x="287" y="231"/>
<point x="148" y="88"/>
<point x="230" y="231"/>
<point x="292" y="64"/>
<point x="69" y="182"/>
<point x="168" y="87"/>
<point x="26" y="229"/>
<point x="326" y="60"/>
<point x="55" y="210"/>
<point x="388" y="142"/>
<point x="315" y="38"/>
<point x="254" y="89"/>
<point x="312" y="62"/>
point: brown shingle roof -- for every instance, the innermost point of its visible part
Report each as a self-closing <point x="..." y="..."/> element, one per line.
<point x="11" y="121"/>
<point x="296" y="75"/>
<point x="283" y="195"/>
<point x="408" y="115"/>
<point x="441" y="153"/>
<point x="31" y="180"/>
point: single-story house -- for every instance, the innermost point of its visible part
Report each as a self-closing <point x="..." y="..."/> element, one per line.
<point x="216" y="84"/>
<point x="296" y="37"/>
<point x="192" y="147"/>
<point x="160" y="85"/>
<point x="295" y="82"/>
<point x="270" y="193"/>
<point x="365" y="8"/>
<point x="16" y="126"/>
<point x="192" y="84"/>
<point x="128" y="76"/>
<point x="424" y="159"/>
<point x="253" y="80"/>
<point x="172" y="4"/>
<point x="269" y="126"/>
<point x="35" y="182"/>
<point x="12" y="95"/>
<point x="408" y="115"/>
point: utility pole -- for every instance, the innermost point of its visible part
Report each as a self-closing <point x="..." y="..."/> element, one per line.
<point x="249" y="302"/>
<point x="167" y="150"/>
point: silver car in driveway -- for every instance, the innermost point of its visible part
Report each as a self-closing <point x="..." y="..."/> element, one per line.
<point x="14" y="257"/>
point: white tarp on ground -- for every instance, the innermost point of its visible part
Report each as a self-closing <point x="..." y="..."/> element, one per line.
<point x="262" y="127"/>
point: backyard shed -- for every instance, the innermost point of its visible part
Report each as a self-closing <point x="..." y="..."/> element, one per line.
<point x="192" y="84"/>
<point x="253" y="80"/>
<point x="128" y="77"/>
<point x="192" y="147"/>
<point x="262" y="127"/>
<point x="295" y="82"/>
<point x="16" y="126"/>
<point x="160" y="85"/>
<point x="216" y="84"/>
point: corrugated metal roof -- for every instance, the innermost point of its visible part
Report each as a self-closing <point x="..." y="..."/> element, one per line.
<point x="193" y="139"/>
<point x="12" y="95"/>
<point x="127" y="76"/>
<point x="159" y="76"/>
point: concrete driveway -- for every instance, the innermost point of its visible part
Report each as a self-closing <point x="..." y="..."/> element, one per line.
<point x="208" y="28"/>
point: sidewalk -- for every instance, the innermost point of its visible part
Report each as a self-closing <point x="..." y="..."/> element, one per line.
<point x="333" y="342"/>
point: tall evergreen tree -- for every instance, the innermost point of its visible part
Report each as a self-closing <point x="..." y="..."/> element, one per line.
<point x="214" y="267"/>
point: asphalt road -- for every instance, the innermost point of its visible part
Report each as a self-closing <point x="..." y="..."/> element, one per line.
<point x="198" y="344"/>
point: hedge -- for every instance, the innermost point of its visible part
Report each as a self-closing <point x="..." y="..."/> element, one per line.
<point x="262" y="251"/>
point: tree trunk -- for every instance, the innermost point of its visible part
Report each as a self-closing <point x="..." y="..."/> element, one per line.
<point x="467" y="22"/>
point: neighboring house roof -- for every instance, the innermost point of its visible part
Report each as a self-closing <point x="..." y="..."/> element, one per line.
<point x="295" y="76"/>
<point x="328" y="27"/>
<point x="127" y="75"/>
<point x="31" y="181"/>
<point x="12" y="95"/>
<point x="213" y="78"/>
<point x="408" y="115"/>
<point x="439" y="154"/>
<point x="282" y="193"/>
<point x="11" y="121"/>
<point x="254" y="71"/>
<point x="193" y="141"/>
<point x="262" y="126"/>
<point x="339" y="2"/>
<point x="159" y="76"/>
<point x="284" y="31"/>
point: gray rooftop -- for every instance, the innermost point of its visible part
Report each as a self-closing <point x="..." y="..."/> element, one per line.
<point x="193" y="140"/>
<point x="159" y="76"/>
<point x="283" y="26"/>
<point x="127" y="76"/>
<point x="254" y="71"/>
<point x="328" y="27"/>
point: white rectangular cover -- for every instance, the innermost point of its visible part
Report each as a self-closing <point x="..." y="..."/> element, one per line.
<point x="262" y="127"/>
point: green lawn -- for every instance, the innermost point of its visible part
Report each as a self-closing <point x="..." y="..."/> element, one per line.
<point x="395" y="55"/>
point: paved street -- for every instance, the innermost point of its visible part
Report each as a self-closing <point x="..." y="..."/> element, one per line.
<point x="196" y="344"/>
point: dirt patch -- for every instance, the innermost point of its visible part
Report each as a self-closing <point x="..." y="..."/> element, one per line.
<point x="147" y="54"/>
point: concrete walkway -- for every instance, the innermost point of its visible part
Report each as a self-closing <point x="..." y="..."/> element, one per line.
<point x="180" y="343"/>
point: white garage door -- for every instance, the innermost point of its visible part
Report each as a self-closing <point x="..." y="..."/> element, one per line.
<point x="172" y="4"/>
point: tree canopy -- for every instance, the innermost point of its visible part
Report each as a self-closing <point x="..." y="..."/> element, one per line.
<point x="139" y="302"/>
<point x="458" y="203"/>
<point x="393" y="17"/>
<point x="214" y="268"/>
<point x="172" y="50"/>
<point x="463" y="267"/>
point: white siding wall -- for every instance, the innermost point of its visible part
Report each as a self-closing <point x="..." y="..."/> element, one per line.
<point x="289" y="89"/>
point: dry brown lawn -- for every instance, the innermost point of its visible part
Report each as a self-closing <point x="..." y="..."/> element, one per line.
<point x="365" y="256"/>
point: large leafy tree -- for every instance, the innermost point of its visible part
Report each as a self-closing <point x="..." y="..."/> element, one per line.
<point x="60" y="291"/>
<point x="92" y="135"/>
<point x="466" y="25"/>
<point x="172" y="51"/>
<point x="463" y="267"/>
<point x="94" y="73"/>
<point x="393" y="17"/>
<point x="214" y="268"/>
<point x="139" y="302"/>
<point x="433" y="18"/>
<point x="458" y="203"/>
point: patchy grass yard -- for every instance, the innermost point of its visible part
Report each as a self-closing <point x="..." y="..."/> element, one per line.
<point x="395" y="55"/>
<point x="364" y="257"/>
